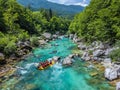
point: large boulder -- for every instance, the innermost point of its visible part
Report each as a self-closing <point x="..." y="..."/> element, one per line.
<point x="118" y="86"/>
<point x="112" y="72"/>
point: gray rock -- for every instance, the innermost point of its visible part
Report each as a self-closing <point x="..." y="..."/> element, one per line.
<point x="82" y="46"/>
<point x="101" y="46"/>
<point x="74" y="38"/>
<point x="107" y="60"/>
<point x="98" y="45"/>
<point x="110" y="74"/>
<point x="86" y="56"/>
<point x="27" y="43"/>
<point x="55" y="36"/>
<point x="98" y="53"/>
<point x="20" y="44"/>
<point x="108" y="51"/>
<point x="47" y="35"/>
<point x="118" y="86"/>
<point x="113" y="72"/>
<point x="71" y="36"/>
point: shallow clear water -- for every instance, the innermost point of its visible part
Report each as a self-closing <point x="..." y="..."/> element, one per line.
<point x="56" y="77"/>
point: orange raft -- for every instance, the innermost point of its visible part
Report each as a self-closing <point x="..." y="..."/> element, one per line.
<point x="44" y="65"/>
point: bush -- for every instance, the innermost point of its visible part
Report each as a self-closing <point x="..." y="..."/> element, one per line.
<point x="34" y="41"/>
<point x="3" y="42"/>
<point x="115" y="55"/>
<point x="23" y="36"/>
<point x="10" y="48"/>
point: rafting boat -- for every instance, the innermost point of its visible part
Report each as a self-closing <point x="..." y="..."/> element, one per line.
<point x="44" y="65"/>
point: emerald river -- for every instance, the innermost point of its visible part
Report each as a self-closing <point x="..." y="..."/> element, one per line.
<point x="57" y="77"/>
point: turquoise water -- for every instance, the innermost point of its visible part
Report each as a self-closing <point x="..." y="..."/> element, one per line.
<point x="56" y="77"/>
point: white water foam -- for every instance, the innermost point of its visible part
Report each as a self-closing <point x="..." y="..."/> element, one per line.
<point x="57" y="71"/>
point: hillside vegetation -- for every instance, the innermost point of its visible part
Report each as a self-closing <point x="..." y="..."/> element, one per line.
<point x="99" y="21"/>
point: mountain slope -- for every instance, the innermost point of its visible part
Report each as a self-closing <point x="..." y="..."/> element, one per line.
<point x="60" y="8"/>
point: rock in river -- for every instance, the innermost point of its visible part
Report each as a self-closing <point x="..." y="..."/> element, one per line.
<point x="67" y="61"/>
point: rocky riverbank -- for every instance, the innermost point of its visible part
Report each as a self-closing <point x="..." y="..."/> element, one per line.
<point x="99" y="51"/>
